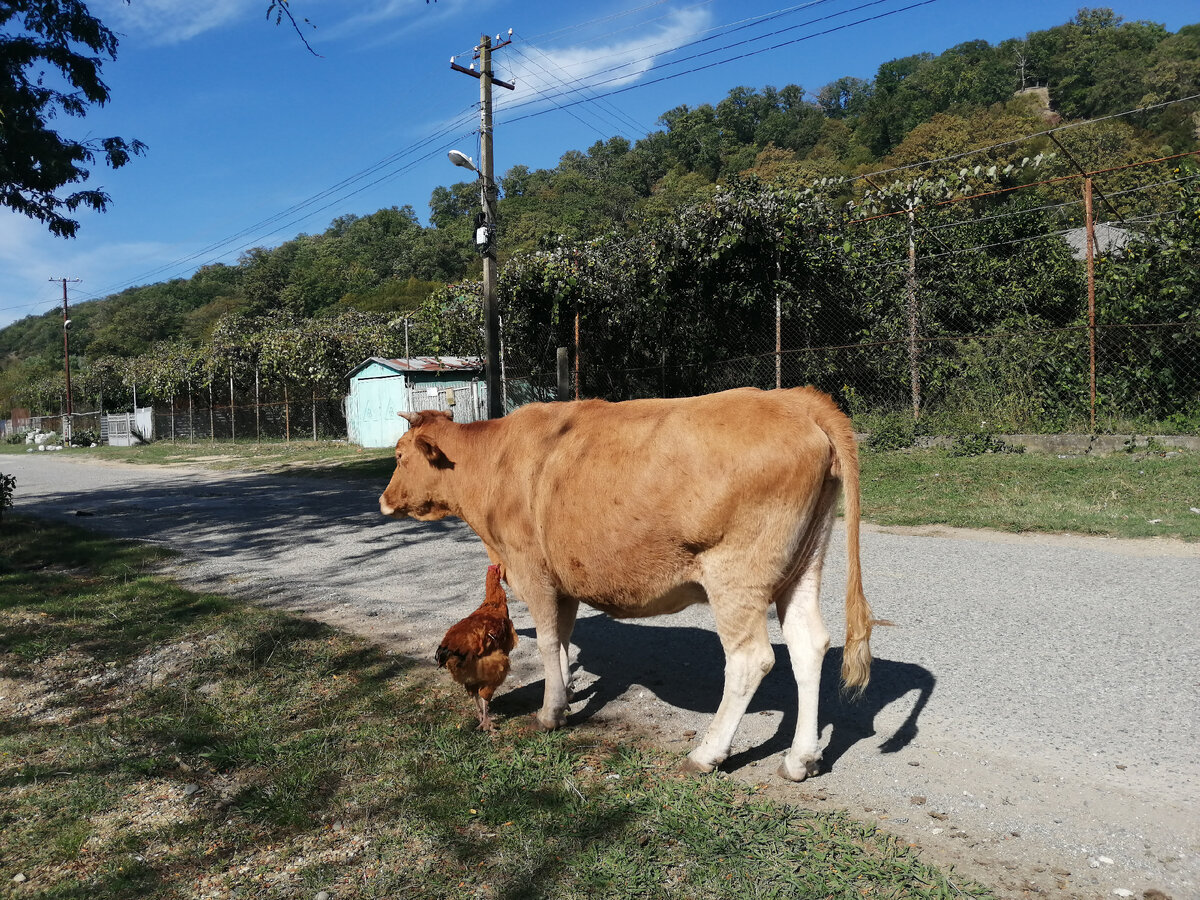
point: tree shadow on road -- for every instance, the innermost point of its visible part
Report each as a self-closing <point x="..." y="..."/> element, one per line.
<point x="684" y="668"/>
<point x="261" y="515"/>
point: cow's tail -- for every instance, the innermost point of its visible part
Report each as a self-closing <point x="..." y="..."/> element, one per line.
<point x="856" y="655"/>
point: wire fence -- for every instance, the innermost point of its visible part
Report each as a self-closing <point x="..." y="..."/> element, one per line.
<point x="1070" y="324"/>
<point x="1146" y="378"/>
<point x="312" y="418"/>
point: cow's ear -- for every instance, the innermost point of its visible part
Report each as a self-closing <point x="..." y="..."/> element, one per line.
<point x="433" y="453"/>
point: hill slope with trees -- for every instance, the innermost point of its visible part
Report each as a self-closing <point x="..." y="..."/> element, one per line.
<point x="639" y="239"/>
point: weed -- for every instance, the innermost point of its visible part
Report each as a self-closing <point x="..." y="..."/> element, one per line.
<point x="1152" y="445"/>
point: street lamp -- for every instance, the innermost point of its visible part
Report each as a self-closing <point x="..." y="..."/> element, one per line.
<point x="486" y="247"/>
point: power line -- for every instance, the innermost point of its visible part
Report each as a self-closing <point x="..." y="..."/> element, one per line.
<point x="1028" y="137"/>
<point x="571" y="113"/>
<point x="722" y="62"/>
<point x="714" y="34"/>
<point x="617" y="115"/>
<point x="1021" y="187"/>
<point x="207" y="251"/>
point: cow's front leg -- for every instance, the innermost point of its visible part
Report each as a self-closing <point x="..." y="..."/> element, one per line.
<point x="742" y="626"/>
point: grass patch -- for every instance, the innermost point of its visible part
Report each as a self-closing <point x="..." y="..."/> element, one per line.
<point x="1124" y="495"/>
<point x="159" y="743"/>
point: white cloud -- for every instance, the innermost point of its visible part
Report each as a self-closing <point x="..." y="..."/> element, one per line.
<point x="552" y="71"/>
<point x="170" y="21"/>
<point x="30" y="256"/>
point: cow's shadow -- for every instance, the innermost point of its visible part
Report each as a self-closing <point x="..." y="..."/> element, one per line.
<point x="684" y="667"/>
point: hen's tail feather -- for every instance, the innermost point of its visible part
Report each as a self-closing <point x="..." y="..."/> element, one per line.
<point x="444" y="653"/>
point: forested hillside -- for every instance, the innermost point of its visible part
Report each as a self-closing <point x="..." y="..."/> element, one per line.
<point x="736" y="199"/>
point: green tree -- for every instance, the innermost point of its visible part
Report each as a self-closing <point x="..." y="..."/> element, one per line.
<point x="37" y="162"/>
<point x="1093" y="64"/>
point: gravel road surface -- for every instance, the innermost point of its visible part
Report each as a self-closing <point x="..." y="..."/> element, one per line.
<point x="1032" y="720"/>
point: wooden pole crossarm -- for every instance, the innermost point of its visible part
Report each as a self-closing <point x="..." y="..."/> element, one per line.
<point x="1088" y="175"/>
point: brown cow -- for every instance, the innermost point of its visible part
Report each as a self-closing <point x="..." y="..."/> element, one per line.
<point x="648" y="506"/>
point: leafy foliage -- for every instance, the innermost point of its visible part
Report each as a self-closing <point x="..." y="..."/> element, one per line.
<point x="36" y="160"/>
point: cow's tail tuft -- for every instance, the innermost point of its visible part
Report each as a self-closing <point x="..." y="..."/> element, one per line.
<point x="856" y="655"/>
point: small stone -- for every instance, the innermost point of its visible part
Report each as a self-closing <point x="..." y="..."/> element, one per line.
<point x="917" y="801"/>
<point x="190" y="789"/>
<point x="1123" y="892"/>
<point x="1104" y="860"/>
<point x="323" y="895"/>
<point x="690" y="733"/>
<point x="19" y="878"/>
<point x="913" y="762"/>
<point x="938" y="830"/>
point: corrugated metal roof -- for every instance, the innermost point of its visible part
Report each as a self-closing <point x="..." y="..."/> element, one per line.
<point x="1109" y="239"/>
<point x="425" y="364"/>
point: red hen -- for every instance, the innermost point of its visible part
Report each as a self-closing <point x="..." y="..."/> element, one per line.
<point x="475" y="650"/>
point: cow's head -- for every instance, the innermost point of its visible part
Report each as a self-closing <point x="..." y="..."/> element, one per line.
<point x="420" y="485"/>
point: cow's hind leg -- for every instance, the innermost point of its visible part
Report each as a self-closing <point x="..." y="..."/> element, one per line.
<point x="567" y="611"/>
<point x="741" y="615"/>
<point x="799" y="607"/>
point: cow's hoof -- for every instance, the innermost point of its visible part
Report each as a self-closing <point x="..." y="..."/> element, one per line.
<point x="540" y="724"/>
<point x="806" y="769"/>
<point x="689" y="766"/>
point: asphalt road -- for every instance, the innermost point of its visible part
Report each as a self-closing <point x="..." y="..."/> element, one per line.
<point x="1033" y="718"/>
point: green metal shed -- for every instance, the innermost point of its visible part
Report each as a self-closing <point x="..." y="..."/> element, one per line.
<point x="382" y="388"/>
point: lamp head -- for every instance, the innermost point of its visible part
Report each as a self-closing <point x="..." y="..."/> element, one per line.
<point x="461" y="159"/>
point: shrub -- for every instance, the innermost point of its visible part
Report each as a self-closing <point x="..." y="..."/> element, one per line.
<point x="8" y="484"/>
<point x="85" y="438"/>
<point x="894" y="431"/>
<point x="981" y="442"/>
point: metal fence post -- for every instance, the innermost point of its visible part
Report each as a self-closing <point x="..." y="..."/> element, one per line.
<point x="1091" y="288"/>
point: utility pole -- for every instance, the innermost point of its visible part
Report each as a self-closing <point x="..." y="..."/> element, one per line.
<point x="1091" y="292"/>
<point x="914" y="312"/>
<point x="491" y="315"/>
<point x="66" y="338"/>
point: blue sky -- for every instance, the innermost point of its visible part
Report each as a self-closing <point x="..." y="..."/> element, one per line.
<point x="253" y="140"/>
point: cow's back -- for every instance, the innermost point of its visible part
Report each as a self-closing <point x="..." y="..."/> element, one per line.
<point x="627" y="500"/>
